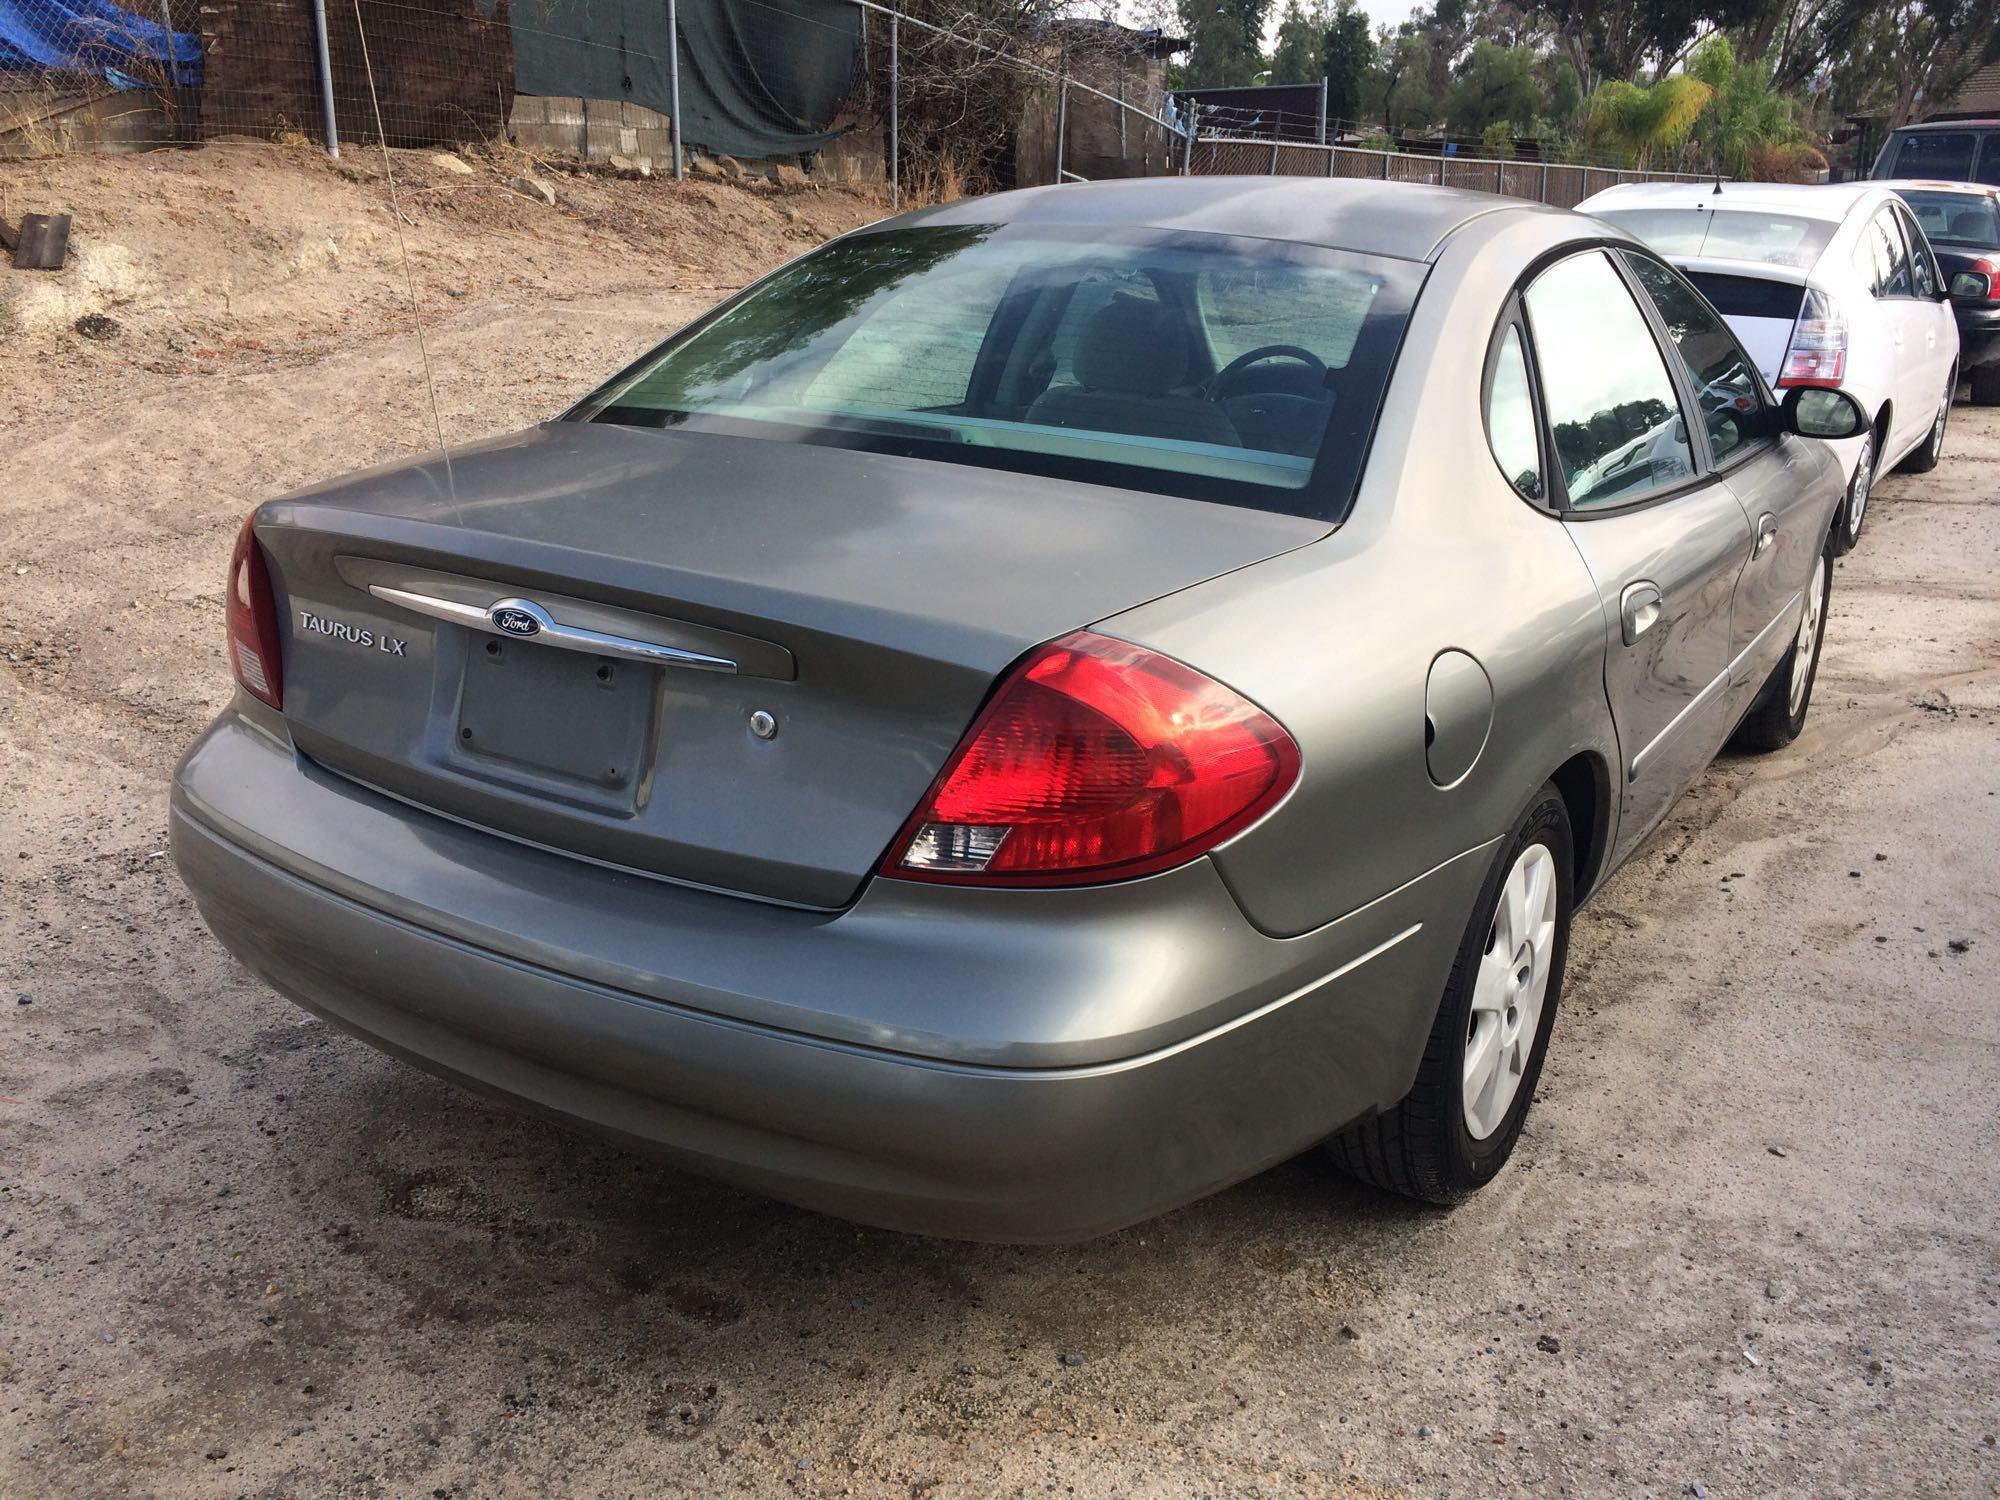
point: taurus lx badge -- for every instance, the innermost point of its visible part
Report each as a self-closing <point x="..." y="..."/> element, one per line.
<point x="358" y="635"/>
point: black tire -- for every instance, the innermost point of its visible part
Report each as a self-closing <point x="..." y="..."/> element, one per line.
<point x="1773" y="722"/>
<point x="1985" y="384"/>
<point x="1924" y="457"/>
<point x="1424" y="1148"/>
<point x="1854" y="503"/>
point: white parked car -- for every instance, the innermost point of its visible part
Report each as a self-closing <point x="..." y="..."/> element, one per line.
<point x="1832" y="285"/>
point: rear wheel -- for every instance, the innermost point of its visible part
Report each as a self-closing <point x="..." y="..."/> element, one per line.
<point x="1986" y="385"/>
<point x="1928" y="452"/>
<point x="1458" y="1125"/>
<point x="1854" y="506"/>
<point x="1779" y="712"/>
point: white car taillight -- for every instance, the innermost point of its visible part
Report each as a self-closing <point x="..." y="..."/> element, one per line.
<point x="1818" y="352"/>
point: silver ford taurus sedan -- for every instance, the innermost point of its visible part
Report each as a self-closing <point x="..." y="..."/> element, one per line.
<point x="1036" y="710"/>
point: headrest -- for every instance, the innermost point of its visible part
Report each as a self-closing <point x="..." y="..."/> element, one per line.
<point x="1131" y="345"/>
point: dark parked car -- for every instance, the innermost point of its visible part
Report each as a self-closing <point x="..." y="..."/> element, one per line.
<point x="1962" y="222"/>
<point x="1950" y="150"/>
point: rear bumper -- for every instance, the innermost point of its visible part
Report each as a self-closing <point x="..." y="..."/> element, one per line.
<point x="1978" y="340"/>
<point x="806" y="1112"/>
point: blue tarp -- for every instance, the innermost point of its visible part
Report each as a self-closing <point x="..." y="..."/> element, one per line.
<point x="98" y="38"/>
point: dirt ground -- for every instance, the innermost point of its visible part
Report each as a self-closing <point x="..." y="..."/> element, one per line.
<point x="1750" y="1244"/>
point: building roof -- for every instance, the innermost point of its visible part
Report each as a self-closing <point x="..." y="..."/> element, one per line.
<point x="1405" y="220"/>
<point x="1978" y="96"/>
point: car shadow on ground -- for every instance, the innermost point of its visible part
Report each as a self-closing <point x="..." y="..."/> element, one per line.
<point x="471" y="1210"/>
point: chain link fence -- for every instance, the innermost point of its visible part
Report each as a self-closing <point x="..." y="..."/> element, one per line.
<point x="856" y="91"/>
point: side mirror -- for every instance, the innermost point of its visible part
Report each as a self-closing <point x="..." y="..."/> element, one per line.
<point x="1969" y="286"/>
<point x="1817" y="412"/>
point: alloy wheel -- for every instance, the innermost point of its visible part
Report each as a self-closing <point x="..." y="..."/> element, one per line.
<point x="1859" y="486"/>
<point x="1808" y="642"/>
<point x="1508" y="991"/>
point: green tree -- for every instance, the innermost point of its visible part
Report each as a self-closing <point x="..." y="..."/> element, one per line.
<point x="1495" y="86"/>
<point x="1637" y="122"/>
<point x="1347" y="52"/>
<point x="1225" y="40"/>
<point x="1747" y="129"/>
<point x="1297" y="56"/>
<point x="1400" y="88"/>
<point x="1564" y="92"/>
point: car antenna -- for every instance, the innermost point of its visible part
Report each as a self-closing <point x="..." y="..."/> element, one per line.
<point x="1718" y="184"/>
<point x="409" y="275"/>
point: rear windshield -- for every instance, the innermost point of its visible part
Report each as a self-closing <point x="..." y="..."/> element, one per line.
<point x="1951" y="155"/>
<point x="1970" y="219"/>
<point x="1246" y="371"/>
<point x="1750" y="296"/>
<point x="1726" y="234"/>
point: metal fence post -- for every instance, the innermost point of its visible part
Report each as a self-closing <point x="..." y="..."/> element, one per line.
<point x="1499" y="176"/>
<point x="1322" y="111"/>
<point x="1273" y="171"/>
<point x="1062" y="115"/>
<point x="895" y="63"/>
<point x="1187" y="146"/>
<point x="674" y="85"/>
<point x="328" y="124"/>
<point x="1545" y="181"/>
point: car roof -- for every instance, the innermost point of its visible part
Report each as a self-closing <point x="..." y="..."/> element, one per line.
<point x="1404" y="220"/>
<point x="1949" y="125"/>
<point x="1937" y="185"/>
<point x="1828" y="201"/>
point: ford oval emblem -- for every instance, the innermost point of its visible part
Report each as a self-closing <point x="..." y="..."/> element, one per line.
<point x="511" y="620"/>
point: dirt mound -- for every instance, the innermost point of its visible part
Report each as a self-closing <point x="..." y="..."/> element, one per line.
<point x="182" y="260"/>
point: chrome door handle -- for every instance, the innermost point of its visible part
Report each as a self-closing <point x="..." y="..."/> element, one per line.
<point x="1767" y="532"/>
<point x="1638" y="610"/>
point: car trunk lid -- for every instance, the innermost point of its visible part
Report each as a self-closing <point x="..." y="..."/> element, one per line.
<point x="865" y="603"/>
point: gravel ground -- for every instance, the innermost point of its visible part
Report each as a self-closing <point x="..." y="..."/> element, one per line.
<point x="1750" y="1244"/>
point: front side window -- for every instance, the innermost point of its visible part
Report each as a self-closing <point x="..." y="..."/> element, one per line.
<point x="1886" y="260"/>
<point x="1244" y="371"/>
<point x="1725" y="382"/>
<point x="1611" y="404"/>
<point x="1727" y="234"/>
<point x="1510" y="417"/>
<point x="1923" y="269"/>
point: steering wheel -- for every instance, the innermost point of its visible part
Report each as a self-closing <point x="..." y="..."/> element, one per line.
<point x="1219" y="382"/>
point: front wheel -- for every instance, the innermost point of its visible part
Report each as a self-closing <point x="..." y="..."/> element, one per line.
<point x="1778" y="715"/>
<point x="1459" y="1122"/>
<point x="1854" y="505"/>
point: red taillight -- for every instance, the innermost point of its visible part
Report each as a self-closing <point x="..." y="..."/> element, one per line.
<point x="1096" y="760"/>
<point x="253" y="620"/>
<point x="1818" y="352"/>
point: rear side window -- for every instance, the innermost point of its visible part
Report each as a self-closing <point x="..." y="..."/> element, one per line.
<point x="1750" y="296"/>
<point x="1611" y="404"/>
<point x="1725" y="382"/>
<point x="1510" y="417"/>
